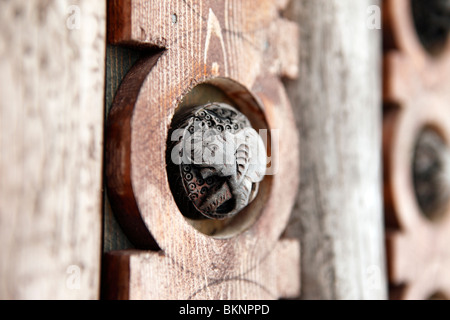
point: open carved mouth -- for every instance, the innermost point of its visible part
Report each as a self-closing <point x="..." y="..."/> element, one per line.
<point x="211" y="196"/>
<point x="219" y="201"/>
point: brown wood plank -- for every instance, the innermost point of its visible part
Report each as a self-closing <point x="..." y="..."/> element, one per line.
<point x="242" y="49"/>
<point x="141" y="275"/>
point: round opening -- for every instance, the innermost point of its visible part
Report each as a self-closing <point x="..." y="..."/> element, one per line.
<point x="437" y="296"/>
<point x="432" y="23"/>
<point x="228" y="92"/>
<point x="431" y="173"/>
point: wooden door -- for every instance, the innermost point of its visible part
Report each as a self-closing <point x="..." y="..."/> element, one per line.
<point x="89" y="92"/>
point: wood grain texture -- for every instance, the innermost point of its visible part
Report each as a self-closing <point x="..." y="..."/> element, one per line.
<point x="416" y="93"/>
<point x="337" y="101"/>
<point x="233" y="46"/>
<point x="237" y="30"/>
<point x="51" y="132"/>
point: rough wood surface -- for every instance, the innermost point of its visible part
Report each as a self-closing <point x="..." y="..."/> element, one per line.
<point x="51" y="132"/>
<point x="240" y="49"/>
<point x="148" y="275"/>
<point x="416" y="94"/>
<point x="337" y="101"/>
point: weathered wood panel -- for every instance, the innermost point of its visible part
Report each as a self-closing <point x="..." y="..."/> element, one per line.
<point x="51" y="115"/>
<point x="337" y="101"/>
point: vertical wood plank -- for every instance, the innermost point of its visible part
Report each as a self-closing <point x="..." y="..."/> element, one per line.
<point x="204" y="42"/>
<point x="337" y="101"/>
<point x="51" y="130"/>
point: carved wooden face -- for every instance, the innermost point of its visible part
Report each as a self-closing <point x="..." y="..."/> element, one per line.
<point x="220" y="161"/>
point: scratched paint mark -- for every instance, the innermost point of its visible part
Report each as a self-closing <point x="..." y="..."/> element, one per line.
<point x="214" y="28"/>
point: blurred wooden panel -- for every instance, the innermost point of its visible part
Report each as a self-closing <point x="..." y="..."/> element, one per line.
<point x="52" y="56"/>
<point x="416" y="147"/>
<point x="337" y="102"/>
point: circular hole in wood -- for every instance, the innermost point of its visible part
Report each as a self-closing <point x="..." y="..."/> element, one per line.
<point x="216" y="93"/>
<point x="437" y="296"/>
<point x="432" y="23"/>
<point x="431" y="173"/>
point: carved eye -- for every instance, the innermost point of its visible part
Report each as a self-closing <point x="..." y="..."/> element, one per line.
<point x="213" y="147"/>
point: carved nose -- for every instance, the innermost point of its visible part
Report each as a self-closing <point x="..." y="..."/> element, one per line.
<point x="216" y="184"/>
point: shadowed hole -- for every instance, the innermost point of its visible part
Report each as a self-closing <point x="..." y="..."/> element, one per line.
<point x="431" y="173"/>
<point x="438" y="296"/>
<point x="432" y="23"/>
<point x="221" y="90"/>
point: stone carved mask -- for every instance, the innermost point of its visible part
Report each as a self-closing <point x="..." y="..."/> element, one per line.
<point x="218" y="160"/>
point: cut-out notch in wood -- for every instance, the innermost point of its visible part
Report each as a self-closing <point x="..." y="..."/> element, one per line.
<point x="416" y="95"/>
